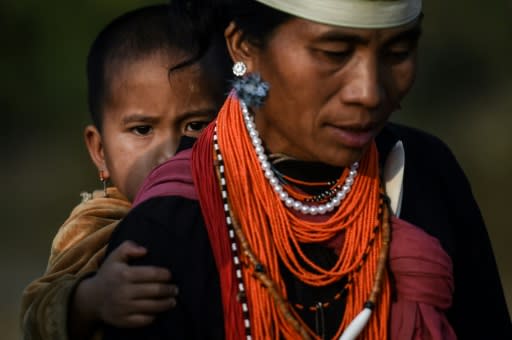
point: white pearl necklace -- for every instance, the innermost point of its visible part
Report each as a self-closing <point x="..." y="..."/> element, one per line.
<point x="278" y="188"/>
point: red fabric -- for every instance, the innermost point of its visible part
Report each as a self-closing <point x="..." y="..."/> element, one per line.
<point x="421" y="269"/>
<point x="423" y="281"/>
<point x="204" y="173"/>
<point x="171" y="178"/>
<point x="423" y="277"/>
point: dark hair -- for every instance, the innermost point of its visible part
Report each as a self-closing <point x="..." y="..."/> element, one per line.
<point x="255" y="20"/>
<point x="132" y="36"/>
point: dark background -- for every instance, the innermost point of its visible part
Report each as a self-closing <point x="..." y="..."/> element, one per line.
<point x="463" y="94"/>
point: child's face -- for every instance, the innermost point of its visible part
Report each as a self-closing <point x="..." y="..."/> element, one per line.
<point x="147" y="114"/>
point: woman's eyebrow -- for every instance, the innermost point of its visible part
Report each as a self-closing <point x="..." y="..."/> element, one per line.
<point x="337" y="36"/>
<point x="413" y="34"/>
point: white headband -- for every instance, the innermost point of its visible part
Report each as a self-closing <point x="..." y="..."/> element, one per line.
<point x="351" y="13"/>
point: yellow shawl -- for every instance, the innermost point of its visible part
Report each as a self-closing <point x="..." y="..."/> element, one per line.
<point x="76" y="251"/>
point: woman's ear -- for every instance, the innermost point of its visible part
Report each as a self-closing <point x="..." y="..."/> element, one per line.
<point x="238" y="47"/>
<point x="94" y="145"/>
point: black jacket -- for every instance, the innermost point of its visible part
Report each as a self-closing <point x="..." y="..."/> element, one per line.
<point x="436" y="197"/>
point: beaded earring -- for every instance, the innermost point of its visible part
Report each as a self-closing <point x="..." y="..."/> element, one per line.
<point x="104" y="181"/>
<point x="250" y="88"/>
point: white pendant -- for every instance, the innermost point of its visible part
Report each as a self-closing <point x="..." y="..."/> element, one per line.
<point x="357" y="325"/>
<point x="393" y="176"/>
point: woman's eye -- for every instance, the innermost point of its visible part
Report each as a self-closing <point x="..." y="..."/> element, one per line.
<point x="340" y="54"/>
<point x="337" y="53"/>
<point x="142" y="130"/>
<point x="399" y="54"/>
<point x="196" y="126"/>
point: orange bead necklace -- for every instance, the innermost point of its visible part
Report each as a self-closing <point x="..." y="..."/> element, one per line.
<point x="267" y="230"/>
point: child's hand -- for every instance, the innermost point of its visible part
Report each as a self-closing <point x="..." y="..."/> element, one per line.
<point x="130" y="296"/>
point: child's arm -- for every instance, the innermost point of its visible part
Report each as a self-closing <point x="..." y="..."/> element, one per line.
<point x="77" y="249"/>
<point x="120" y="295"/>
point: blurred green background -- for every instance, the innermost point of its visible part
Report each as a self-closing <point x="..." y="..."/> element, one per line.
<point x="463" y="94"/>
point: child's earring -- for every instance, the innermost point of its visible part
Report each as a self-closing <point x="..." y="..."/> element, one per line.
<point x="104" y="180"/>
<point x="249" y="88"/>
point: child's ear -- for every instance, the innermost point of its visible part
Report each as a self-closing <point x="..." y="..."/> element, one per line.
<point x="94" y="145"/>
<point x="238" y="47"/>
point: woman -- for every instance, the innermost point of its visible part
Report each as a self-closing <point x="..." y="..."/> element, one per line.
<point x="300" y="184"/>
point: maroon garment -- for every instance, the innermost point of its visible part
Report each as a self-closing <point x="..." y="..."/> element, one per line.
<point x="172" y="178"/>
<point x="423" y="279"/>
<point x="421" y="269"/>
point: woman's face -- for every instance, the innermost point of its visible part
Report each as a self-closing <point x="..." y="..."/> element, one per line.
<point x="331" y="89"/>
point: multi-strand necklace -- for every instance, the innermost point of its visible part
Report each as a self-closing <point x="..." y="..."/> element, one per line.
<point x="273" y="179"/>
<point x="261" y="232"/>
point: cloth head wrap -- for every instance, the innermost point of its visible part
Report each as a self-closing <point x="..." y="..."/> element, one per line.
<point x="351" y="13"/>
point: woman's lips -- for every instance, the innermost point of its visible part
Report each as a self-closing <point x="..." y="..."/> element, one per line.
<point x="353" y="137"/>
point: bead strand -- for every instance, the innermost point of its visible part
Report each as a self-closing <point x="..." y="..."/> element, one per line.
<point x="235" y="232"/>
<point x="242" y="297"/>
<point x="259" y="271"/>
<point x="290" y="202"/>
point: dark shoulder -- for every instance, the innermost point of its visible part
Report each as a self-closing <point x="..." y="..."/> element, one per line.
<point x="425" y="153"/>
<point x="432" y="154"/>
<point x="172" y="230"/>
<point x="415" y="140"/>
<point x="434" y="184"/>
<point x="162" y="209"/>
<point x="156" y="218"/>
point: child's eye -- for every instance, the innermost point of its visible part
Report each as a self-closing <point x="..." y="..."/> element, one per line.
<point x="196" y="126"/>
<point x="142" y="130"/>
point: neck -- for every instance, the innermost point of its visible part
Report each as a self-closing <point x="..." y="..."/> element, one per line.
<point x="305" y="170"/>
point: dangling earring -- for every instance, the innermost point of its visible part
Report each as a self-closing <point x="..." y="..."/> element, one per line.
<point x="104" y="180"/>
<point x="249" y="87"/>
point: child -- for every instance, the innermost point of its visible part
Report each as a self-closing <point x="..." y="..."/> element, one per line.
<point x="145" y="93"/>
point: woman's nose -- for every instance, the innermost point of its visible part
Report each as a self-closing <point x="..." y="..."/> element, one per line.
<point x="364" y="86"/>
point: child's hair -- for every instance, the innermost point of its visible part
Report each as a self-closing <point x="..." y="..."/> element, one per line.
<point x="135" y="35"/>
